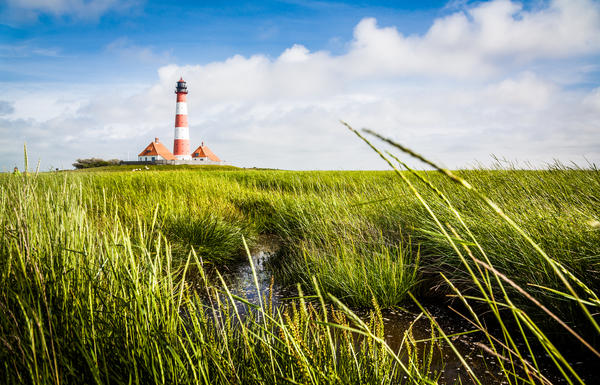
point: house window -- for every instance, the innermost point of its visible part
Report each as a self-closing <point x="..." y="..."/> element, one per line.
<point x="196" y="154"/>
<point x="153" y="158"/>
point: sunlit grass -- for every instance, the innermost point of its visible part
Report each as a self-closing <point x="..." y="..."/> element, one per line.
<point x="89" y="299"/>
<point x="93" y="269"/>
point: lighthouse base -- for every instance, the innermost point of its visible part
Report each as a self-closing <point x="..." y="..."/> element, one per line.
<point x="183" y="157"/>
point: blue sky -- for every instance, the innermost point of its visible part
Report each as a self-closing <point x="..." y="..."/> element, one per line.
<point x="268" y="81"/>
<point x="50" y="46"/>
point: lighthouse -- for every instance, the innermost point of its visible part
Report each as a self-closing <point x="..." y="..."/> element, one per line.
<point x="156" y="153"/>
<point x="181" y="145"/>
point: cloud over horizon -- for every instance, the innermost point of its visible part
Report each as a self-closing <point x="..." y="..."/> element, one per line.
<point x="492" y="78"/>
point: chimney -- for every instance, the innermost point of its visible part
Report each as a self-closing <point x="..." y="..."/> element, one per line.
<point x="155" y="140"/>
<point x="202" y="144"/>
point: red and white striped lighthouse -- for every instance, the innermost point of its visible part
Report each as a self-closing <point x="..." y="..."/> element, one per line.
<point x="181" y="146"/>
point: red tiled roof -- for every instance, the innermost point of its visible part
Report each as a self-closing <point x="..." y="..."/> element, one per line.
<point x="156" y="148"/>
<point x="205" y="152"/>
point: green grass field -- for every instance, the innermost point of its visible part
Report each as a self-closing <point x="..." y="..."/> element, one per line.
<point x="104" y="272"/>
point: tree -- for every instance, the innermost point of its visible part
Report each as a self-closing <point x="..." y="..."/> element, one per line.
<point x="95" y="162"/>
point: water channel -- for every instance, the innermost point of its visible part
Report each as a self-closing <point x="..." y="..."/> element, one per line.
<point x="240" y="281"/>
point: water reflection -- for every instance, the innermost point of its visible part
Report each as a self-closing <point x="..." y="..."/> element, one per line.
<point x="240" y="281"/>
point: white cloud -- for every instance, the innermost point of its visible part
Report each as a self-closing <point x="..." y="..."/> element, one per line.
<point x="126" y="49"/>
<point x="481" y="40"/>
<point x="6" y="108"/>
<point x="527" y="92"/>
<point x="593" y="100"/>
<point x="79" y="9"/>
<point x="27" y="50"/>
<point x="469" y="87"/>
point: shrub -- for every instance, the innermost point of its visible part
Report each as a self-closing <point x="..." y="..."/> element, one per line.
<point x="94" y="162"/>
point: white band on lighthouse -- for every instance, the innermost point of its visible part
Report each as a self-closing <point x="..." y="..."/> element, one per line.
<point x="182" y="133"/>
<point x="181" y="108"/>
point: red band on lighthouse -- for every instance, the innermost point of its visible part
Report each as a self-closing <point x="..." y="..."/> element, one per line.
<point x="181" y="145"/>
<point x="181" y="121"/>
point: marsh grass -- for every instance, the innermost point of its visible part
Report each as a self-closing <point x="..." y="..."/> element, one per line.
<point x="216" y="239"/>
<point x="496" y="291"/>
<point x="103" y="274"/>
<point x="357" y="273"/>
<point x="113" y="306"/>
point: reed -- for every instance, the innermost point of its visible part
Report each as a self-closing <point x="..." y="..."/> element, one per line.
<point x="500" y="294"/>
<point x="108" y="276"/>
<point x="81" y="305"/>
